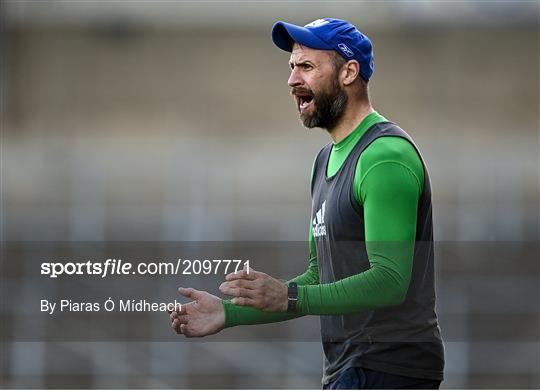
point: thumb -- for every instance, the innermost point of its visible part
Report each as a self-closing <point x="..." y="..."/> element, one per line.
<point x="190" y="293"/>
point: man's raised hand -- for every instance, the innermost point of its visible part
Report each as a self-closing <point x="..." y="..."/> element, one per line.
<point x="256" y="289"/>
<point x="202" y="316"/>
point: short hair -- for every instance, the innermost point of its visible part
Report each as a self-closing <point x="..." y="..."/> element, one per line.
<point x="363" y="90"/>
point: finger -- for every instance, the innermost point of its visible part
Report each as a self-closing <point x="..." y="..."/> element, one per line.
<point x="245" y="301"/>
<point x="176" y="326"/>
<point x="171" y="308"/>
<point x="226" y="287"/>
<point x="184" y="330"/>
<point x="190" y="292"/>
<point x="246" y="284"/>
<point x="181" y="309"/>
<point x="238" y="292"/>
<point x="245" y="274"/>
<point x="182" y="319"/>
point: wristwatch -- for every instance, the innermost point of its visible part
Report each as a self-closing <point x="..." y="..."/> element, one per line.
<point x="292" y="296"/>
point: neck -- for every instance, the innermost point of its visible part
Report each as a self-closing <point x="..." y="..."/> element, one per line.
<point x="353" y="115"/>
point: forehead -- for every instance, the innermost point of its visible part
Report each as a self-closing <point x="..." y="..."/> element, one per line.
<point x="303" y="53"/>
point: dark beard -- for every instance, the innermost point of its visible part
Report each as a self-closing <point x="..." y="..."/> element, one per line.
<point x="329" y="108"/>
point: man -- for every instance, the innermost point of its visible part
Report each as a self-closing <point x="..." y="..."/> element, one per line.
<point x="371" y="267"/>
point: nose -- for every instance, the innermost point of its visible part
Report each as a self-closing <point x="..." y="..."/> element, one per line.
<point x="294" y="78"/>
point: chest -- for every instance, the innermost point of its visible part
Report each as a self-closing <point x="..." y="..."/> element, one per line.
<point x="335" y="213"/>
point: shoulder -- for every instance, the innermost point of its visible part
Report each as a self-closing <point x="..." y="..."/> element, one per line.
<point x="390" y="149"/>
<point x="389" y="159"/>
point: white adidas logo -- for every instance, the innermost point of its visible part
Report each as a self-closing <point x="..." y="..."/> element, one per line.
<point x="319" y="229"/>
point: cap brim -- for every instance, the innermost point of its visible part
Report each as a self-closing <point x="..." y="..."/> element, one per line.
<point x="285" y="35"/>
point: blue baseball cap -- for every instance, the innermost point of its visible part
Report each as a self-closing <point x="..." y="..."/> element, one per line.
<point x="328" y="34"/>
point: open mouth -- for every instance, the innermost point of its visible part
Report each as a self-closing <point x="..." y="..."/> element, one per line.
<point x="303" y="100"/>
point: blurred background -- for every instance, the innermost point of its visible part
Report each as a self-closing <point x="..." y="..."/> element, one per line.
<point x="172" y="121"/>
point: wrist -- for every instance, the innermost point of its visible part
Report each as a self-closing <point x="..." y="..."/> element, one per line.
<point x="284" y="297"/>
<point x="292" y="297"/>
<point x="228" y="310"/>
<point x="301" y="299"/>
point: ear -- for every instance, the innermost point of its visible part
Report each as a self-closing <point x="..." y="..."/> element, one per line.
<point x="350" y="72"/>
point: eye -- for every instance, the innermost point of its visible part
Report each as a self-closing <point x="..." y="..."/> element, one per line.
<point x="307" y="67"/>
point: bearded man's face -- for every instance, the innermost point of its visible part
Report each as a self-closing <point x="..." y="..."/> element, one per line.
<point x="320" y="98"/>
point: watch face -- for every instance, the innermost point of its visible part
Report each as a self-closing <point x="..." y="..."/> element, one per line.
<point x="292" y="295"/>
<point x="292" y="292"/>
<point x="291" y="305"/>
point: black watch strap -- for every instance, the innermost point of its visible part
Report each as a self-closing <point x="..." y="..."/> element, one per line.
<point x="292" y="296"/>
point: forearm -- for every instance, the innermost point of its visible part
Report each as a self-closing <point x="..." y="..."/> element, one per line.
<point x="383" y="285"/>
<point x="236" y="315"/>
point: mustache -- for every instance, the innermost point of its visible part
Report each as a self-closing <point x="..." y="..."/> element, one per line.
<point x="300" y="90"/>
